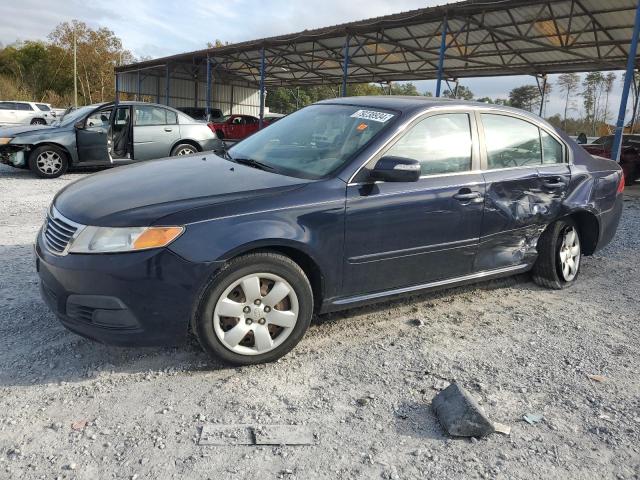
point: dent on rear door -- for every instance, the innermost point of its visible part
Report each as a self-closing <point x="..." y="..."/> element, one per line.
<point x="511" y="224"/>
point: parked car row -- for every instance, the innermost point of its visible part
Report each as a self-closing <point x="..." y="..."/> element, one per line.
<point x="27" y="113"/>
<point x="105" y="135"/>
<point x="343" y="203"/>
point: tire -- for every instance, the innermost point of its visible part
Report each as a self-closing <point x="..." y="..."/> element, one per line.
<point x="48" y="161"/>
<point x="38" y="121"/>
<point x="278" y="327"/>
<point x="555" y="247"/>
<point x="183" y="149"/>
<point x="220" y="134"/>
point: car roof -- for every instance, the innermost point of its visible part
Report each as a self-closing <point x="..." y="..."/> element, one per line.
<point x="416" y="103"/>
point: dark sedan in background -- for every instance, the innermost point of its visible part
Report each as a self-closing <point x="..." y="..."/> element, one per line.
<point x="342" y="203"/>
<point x="105" y="135"/>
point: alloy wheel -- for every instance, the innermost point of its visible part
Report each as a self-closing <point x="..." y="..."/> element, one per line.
<point x="569" y="254"/>
<point x="49" y="162"/>
<point x="256" y="314"/>
<point x="186" y="151"/>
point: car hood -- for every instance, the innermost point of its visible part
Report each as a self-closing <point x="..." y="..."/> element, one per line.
<point x="23" y="129"/>
<point x="141" y="194"/>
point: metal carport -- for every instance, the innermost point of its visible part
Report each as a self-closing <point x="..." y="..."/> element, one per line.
<point x="464" y="39"/>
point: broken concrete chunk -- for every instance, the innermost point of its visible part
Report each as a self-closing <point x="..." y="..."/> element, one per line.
<point x="283" y="435"/>
<point x="460" y="414"/>
<point x="226" y="435"/>
<point x="230" y="435"/>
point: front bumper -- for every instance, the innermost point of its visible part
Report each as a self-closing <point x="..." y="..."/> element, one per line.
<point x="129" y="299"/>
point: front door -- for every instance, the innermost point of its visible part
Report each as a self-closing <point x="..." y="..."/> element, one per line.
<point x="92" y="139"/>
<point x="155" y="132"/>
<point x="526" y="177"/>
<point x="409" y="234"/>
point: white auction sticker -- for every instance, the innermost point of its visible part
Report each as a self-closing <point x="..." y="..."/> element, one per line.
<point x="372" y="115"/>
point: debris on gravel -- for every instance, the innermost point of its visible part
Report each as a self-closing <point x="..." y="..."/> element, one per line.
<point x="459" y="414"/>
<point x="516" y="347"/>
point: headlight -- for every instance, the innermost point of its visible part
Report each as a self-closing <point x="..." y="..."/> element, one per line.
<point x="5" y="140"/>
<point x="109" y="240"/>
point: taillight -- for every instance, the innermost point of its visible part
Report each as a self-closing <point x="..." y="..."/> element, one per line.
<point x="621" y="184"/>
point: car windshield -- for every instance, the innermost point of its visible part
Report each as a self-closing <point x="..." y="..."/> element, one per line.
<point x="315" y="141"/>
<point x="75" y="115"/>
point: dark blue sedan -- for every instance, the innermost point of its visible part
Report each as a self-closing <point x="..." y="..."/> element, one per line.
<point x="343" y="203"/>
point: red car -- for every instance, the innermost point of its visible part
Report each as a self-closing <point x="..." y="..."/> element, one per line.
<point x="236" y="127"/>
<point x="629" y="158"/>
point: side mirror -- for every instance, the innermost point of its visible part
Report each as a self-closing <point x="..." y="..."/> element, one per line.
<point x="79" y="124"/>
<point x="396" y="169"/>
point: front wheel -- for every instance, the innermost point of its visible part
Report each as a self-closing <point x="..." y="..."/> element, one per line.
<point x="38" y="121"/>
<point x="255" y="310"/>
<point x="48" y="161"/>
<point x="559" y="255"/>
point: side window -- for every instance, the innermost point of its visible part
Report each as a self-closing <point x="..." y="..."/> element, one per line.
<point x="551" y="149"/>
<point x="441" y="143"/>
<point x="24" y="107"/>
<point x="511" y="142"/>
<point x="172" y="117"/>
<point x="7" y="106"/>
<point x="148" y="115"/>
<point x="99" y="119"/>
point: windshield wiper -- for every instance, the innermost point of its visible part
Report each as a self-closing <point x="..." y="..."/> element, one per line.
<point x="254" y="163"/>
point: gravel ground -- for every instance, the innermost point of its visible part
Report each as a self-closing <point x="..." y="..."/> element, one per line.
<point x="362" y="380"/>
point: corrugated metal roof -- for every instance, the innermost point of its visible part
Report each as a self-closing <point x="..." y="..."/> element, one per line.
<point x="484" y="38"/>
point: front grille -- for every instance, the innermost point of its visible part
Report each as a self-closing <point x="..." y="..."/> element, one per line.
<point x="58" y="231"/>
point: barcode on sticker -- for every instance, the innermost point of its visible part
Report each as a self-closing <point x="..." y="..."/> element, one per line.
<point x="372" y="115"/>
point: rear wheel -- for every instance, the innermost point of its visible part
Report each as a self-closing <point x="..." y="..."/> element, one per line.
<point x="48" y="161"/>
<point x="183" y="149"/>
<point x="255" y="310"/>
<point x="220" y="134"/>
<point x="559" y="255"/>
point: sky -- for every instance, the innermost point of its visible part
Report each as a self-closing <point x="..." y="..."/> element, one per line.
<point x="165" y="27"/>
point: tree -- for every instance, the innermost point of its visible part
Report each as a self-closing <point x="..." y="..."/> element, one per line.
<point x="525" y="97"/>
<point x="568" y="82"/>
<point x="98" y="52"/>
<point x="460" y="92"/>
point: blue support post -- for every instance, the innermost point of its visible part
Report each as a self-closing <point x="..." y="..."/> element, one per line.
<point x="628" y="78"/>
<point x="208" y="95"/>
<point x="117" y="88"/>
<point x="345" y="65"/>
<point x="443" y="47"/>
<point x="167" y="87"/>
<point x="262" y="77"/>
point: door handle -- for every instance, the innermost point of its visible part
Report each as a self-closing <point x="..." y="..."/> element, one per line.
<point x="167" y="129"/>
<point x="466" y="195"/>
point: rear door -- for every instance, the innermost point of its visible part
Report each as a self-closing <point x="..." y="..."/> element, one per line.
<point x="405" y="234"/>
<point x="523" y="192"/>
<point x="155" y="131"/>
